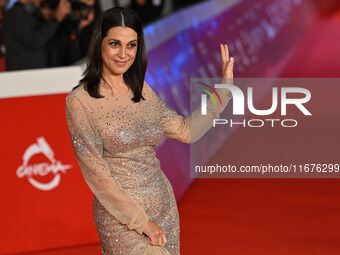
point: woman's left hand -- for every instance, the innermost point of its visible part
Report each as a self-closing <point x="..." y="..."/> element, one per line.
<point x="227" y="63"/>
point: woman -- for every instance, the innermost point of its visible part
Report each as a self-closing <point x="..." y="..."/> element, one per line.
<point x="115" y="119"/>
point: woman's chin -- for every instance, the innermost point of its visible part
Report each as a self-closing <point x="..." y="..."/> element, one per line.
<point x="118" y="71"/>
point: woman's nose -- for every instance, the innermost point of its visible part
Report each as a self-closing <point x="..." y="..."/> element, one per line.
<point x="122" y="52"/>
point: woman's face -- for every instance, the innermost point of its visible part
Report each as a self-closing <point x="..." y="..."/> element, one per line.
<point x="119" y="49"/>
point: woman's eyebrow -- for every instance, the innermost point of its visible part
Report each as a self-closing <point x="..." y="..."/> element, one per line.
<point x="135" y="40"/>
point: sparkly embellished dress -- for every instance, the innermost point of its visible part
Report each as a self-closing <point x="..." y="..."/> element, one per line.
<point x="114" y="139"/>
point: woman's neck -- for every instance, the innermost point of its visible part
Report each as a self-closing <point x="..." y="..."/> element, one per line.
<point x="116" y="82"/>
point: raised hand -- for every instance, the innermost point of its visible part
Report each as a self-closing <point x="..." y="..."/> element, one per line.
<point x="227" y="63"/>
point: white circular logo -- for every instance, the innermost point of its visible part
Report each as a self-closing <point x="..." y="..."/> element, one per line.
<point x="41" y="169"/>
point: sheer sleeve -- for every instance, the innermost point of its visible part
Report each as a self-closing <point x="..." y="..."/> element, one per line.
<point x="88" y="148"/>
<point x="192" y="128"/>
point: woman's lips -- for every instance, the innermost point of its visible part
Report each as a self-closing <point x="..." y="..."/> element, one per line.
<point x="120" y="63"/>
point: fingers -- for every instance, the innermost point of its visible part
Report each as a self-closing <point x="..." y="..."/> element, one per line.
<point x="156" y="236"/>
<point x="165" y="240"/>
<point x="226" y="49"/>
<point x="227" y="63"/>
<point x="230" y="65"/>
<point x="158" y="239"/>
<point x="223" y="55"/>
<point x="162" y="238"/>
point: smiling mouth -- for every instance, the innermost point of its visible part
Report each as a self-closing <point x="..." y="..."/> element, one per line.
<point x="120" y="63"/>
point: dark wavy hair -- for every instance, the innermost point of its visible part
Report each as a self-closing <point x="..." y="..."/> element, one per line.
<point x="134" y="76"/>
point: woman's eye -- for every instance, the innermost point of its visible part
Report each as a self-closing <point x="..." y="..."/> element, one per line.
<point x="113" y="43"/>
<point x="132" y="45"/>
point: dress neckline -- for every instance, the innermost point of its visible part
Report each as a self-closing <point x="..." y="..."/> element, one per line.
<point x="122" y="95"/>
<point x="116" y="95"/>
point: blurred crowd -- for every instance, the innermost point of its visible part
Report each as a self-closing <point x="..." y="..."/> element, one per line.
<point x="51" y="33"/>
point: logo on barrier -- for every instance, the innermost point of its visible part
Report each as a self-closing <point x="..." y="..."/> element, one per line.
<point x="41" y="169"/>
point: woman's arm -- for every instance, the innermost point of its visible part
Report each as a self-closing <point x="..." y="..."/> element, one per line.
<point x="192" y="128"/>
<point x="88" y="148"/>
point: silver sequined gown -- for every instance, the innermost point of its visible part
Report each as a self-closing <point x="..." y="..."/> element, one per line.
<point x="114" y="139"/>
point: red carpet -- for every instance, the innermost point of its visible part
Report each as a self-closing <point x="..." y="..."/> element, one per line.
<point x="261" y="217"/>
